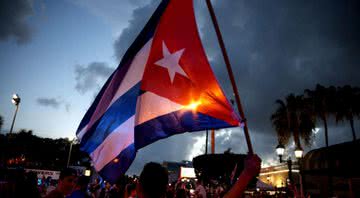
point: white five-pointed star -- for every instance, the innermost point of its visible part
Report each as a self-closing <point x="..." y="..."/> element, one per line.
<point x="171" y="62"/>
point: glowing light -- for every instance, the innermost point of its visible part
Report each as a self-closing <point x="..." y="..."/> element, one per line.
<point x="299" y="153"/>
<point x="116" y="160"/>
<point x="87" y="173"/>
<point x="280" y="171"/>
<point x="280" y="149"/>
<point x="193" y="105"/>
<point x="187" y="172"/>
<point x="15" y="99"/>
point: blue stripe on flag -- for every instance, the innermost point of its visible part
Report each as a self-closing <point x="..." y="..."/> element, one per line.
<point x="118" y="76"/>
<point x="116" y="168"/>
<point x="174" y="123"/>
<point x="114" y="116"/>
<point x="120" y="111"/>
<point x="91" y="110"/>
<point x="145" y="35"/>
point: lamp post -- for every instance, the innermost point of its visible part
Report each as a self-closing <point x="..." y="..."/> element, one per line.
<point x="206" y="141"/>
<point x="70" y="150"/>
<point x="16" y="101"/>
<point x="299" y="154"/>
<point x="280" y="149"/>
<point x="289" y="164"/>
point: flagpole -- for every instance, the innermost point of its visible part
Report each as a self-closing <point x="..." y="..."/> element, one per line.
<point x="212" y="141"/>
<point x="231" y="75"/>
<point x="206" y="144"/>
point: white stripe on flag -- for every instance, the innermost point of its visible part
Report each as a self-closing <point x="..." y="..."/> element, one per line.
<point x="135" y="72"/>
<point x="131" y="78"/>
<point x="113" y="144"/>
<point x="82" y="132"/>
<point x="146" y="110"/>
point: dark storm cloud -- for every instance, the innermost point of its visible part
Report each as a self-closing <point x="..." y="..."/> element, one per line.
<point x="92" y="76"/>
<point x="49" y="102"/>
<point x="281" y="47"/>
<point x="13" y="16"/>
<point x="139" y="18"/>
<point x="276" y="48"/>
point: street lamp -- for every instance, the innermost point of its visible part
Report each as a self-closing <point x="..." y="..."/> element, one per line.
<point x="16" y="101"/>
<point x="280" y="149"/>
<point x="298" y="153"/>
<point x="73" y="141"/>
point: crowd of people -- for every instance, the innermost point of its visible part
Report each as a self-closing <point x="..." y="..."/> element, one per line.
<point x="152" y="183"/>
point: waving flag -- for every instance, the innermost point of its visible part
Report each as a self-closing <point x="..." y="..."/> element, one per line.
<point x="163" y="86"/>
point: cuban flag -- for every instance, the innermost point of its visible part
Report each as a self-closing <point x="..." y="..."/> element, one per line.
<point x="163" y="86"/>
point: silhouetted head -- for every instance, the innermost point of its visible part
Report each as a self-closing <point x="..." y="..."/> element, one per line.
<point x="153" y="181"/>
<point x="82" y="182"/>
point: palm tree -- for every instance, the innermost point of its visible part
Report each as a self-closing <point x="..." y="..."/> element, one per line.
<point x="293" y="117"/>
<point x="307" y="121"/>
<point x="322" y="100"/>
<point x="347" y="106"/>
<point x="281" y="122"/>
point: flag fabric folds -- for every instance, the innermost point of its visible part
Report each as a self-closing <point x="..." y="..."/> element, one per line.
<point x="163" y="86"/>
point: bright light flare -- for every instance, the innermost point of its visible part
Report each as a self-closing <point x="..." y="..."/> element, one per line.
<point x="193" y="105"/>
<point x="15" y="99"/>
<point x="87" y="173"/>
<point x="186" y="172"/>
<point x="299" y="153"/>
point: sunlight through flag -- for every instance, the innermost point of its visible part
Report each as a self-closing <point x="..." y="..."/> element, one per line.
<point x="163" y="86"/>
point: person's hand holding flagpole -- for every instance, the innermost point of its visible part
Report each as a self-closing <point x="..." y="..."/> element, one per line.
<point x="252" y="167"/>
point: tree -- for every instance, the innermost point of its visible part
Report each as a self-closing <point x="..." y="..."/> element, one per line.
<point x="37" y="152"/>
<point x="347" y="106"/>
<point x="280" y="120"/>
<point x="294" y="117"/>
<point x="322" y="101"/>
<point x="1" y="123"/>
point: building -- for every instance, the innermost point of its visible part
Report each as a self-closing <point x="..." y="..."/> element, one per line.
<point x="332" y="171"/>
<point x="278" y="176"/>
<point x="325" y="172"/>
